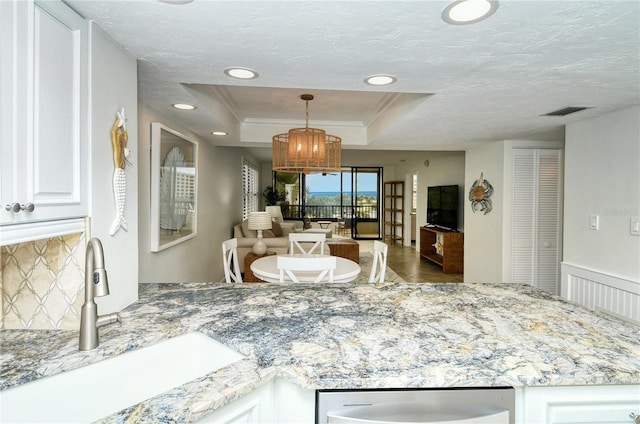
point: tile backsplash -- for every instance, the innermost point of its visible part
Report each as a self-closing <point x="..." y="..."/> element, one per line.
<point x="42" y="283"/>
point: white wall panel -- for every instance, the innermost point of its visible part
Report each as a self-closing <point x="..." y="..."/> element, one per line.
<point x="601" y="292"/>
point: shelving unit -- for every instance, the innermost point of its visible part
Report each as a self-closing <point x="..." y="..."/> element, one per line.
<point x="394" y="211"/>
<point x="443" y="247"/>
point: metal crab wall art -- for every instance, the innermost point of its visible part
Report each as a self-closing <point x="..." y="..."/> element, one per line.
<point x="480" y="194"/>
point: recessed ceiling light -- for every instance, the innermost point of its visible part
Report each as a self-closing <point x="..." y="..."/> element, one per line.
<point x="219" y="132"/>
<point x="183" y="106"/>
<point x="380" y="80"/>
<point x="241" y="73"/>
<point x="462" y="12"/>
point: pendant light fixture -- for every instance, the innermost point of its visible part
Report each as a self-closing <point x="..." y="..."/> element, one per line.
<point x="306" y="150"/>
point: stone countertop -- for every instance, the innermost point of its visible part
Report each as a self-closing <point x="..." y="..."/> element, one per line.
<point x="349" y="336"/>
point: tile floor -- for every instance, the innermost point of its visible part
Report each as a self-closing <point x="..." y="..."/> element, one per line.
<point x="406" y="262"/>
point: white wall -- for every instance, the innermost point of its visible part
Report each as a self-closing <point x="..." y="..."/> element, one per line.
<point x="602" y="176"/>
<point x="113" y="86"/>
<point x="487" y="238"/>
<point x="219" y="206"/>
<point x="445" y="168"/>
<point x="483" y="233"/>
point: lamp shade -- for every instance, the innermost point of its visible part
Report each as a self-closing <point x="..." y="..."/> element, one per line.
<point x="275" y="212"/>
<point x="259" y="221"/>
<point x="307" y="144"/>
<point x="306" y="150"/>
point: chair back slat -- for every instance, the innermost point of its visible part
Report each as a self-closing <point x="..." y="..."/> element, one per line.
<point x="292" y="266"/>
<point x="307" y="243"/>
<point x="230" y="261"/>
<point x="379" y="265"/>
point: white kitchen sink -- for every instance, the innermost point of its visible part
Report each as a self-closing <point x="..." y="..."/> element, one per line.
<point x="103" y="388"/>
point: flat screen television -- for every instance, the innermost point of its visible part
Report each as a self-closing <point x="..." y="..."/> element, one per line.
<point x="442" y="206"/>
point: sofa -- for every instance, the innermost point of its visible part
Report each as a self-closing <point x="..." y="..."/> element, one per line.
<point x="276" y="239"/>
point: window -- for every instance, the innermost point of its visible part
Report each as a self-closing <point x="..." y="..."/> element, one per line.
<point x="289" y="184"/>
<point x="414" y="192"/>
<point x="249" y="188"/>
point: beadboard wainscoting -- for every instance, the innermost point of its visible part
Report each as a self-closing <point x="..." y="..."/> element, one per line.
<point x="42" y="283"/>
<point x="601" y="292"/>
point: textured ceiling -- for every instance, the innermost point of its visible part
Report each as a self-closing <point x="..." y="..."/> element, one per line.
<point x="456" y="85"/>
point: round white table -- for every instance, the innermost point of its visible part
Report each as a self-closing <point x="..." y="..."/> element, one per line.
<point x="266" y="269"/>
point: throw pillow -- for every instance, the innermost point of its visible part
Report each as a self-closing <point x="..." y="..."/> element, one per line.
<point x="276" y="229"/>
<point x="246" y="231"/>
<point x="267" y="234"/>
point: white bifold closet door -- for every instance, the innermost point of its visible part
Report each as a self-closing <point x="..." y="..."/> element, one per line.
<point x="536" y="220"/>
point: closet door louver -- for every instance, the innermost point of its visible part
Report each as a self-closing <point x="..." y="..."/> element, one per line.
<point x="536" y="229"/>
<point x="548" y="220"/>
<point x="523" y="216"/>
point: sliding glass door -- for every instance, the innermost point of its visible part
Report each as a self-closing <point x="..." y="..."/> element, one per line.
<point x="352" y="195"/>
<point x="365" y="202"/>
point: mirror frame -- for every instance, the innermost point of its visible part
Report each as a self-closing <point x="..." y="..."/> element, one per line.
<point x="163" y="139"/>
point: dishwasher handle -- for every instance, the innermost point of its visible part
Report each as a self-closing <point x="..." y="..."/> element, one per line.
<point x="364" y="416"/>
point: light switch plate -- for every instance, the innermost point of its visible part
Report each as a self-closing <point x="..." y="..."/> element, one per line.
<point x="635" y="226"/>
<point x="594" y="222"/>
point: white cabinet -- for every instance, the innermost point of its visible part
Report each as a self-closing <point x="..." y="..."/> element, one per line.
<point x="43" y="112"/>
<point x="253" y="408"/>
<point x="278" y="401"/>
<point x="580" y="404"/>
<point x="536" y="218"/>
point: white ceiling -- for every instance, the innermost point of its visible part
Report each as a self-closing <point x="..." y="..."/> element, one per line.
<point x="456" y="84"/>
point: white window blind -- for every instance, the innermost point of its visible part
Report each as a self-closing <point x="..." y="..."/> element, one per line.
<point x="249" y="188"/>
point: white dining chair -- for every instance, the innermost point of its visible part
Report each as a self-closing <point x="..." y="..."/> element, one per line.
<point x="379" y="265"/>
<point x="292" y="266"/>
<point x="230" y="261"/>
<point x="307" y="243"/>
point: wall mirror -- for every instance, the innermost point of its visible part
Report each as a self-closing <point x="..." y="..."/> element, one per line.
<point x="174" y="183"/>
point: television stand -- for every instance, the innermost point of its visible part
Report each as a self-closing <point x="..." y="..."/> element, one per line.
<point x="443" y="247"/>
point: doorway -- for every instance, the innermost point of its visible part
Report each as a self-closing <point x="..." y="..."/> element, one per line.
<point x="366" y="184"/>
<point x="352" y="195"/>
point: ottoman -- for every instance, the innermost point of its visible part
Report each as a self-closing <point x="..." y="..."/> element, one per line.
<point x="326" y="231"/>
<point x="345" y="248"/>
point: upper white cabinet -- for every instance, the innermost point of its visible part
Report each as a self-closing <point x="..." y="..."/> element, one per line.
<point x="43" y="113"/>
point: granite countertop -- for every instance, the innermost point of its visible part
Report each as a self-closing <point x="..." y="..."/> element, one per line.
<point x="350" y="336"/>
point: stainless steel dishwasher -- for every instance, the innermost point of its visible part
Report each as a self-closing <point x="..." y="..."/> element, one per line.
<point x="493" y="405"/>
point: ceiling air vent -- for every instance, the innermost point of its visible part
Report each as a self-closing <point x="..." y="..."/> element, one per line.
<point x="566" y="111"/>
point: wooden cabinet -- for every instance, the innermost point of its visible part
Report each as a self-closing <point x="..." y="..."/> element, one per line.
<point x="250" y="258"/>
<point x="443" y="247"/>
<point x="43" y="112"/>
<point x="394" y="211"/>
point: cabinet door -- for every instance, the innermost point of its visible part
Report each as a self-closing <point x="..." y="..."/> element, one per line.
<point x="580" y="404"/>
<point x="536" y="219"/>
<point x="253" y="408"/>
<point x="45" y="144"/>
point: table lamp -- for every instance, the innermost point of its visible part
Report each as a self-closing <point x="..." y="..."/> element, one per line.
<point x="276" y="213"/>
<point x="259" y="221"/>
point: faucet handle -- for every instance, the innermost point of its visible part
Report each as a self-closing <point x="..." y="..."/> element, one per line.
<point x="107" y="319"/>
